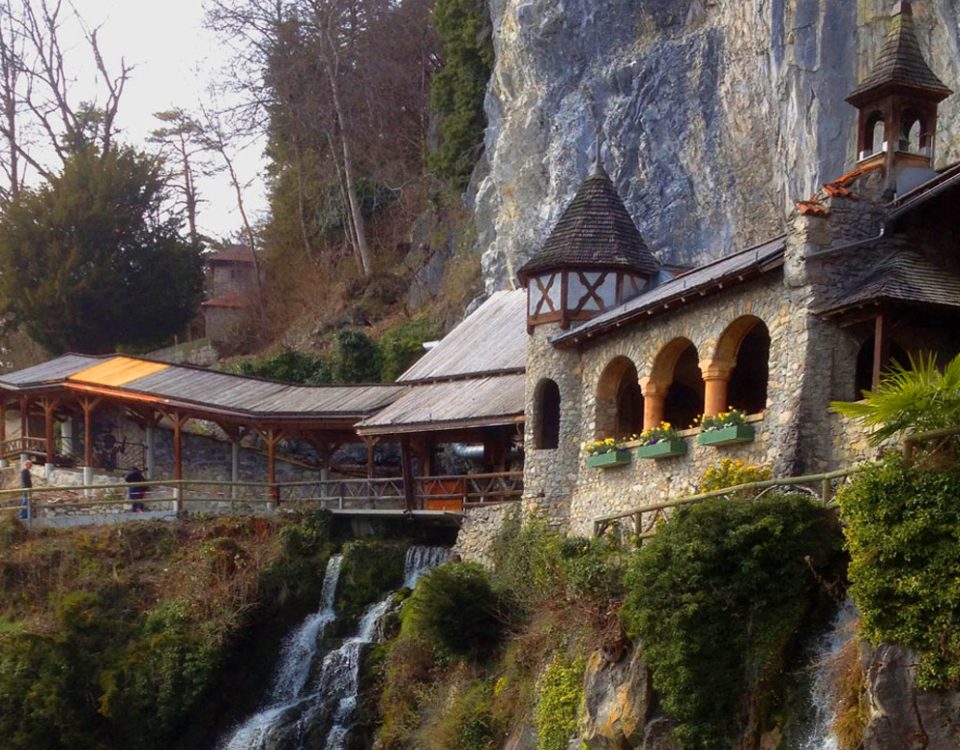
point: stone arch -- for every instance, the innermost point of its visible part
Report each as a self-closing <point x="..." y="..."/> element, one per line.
<point x="740" y="368"/>
<point x="674" y="391"/>
<point x="546" y="415"/>
<point x="619" y="400"/>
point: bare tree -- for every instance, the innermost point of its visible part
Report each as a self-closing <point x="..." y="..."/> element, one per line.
<point x="38" y="116"/>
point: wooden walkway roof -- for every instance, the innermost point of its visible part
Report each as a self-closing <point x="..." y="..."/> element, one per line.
<point x="200" y="391"/>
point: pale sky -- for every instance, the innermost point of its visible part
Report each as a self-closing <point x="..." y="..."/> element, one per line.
<point x="175" y="60"/>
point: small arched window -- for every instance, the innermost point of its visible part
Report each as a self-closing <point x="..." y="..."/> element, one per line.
<point x="911" y="132"/>
<point x="546" y="417"/>
<point x="874" y="134"/>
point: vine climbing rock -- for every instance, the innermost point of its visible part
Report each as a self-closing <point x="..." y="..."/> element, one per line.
<point x="902" y="717"/>
<point x="618" y="703"/>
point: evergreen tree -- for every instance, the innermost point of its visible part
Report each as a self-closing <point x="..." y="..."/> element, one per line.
<point x="88" y="262"/>
<point x="458" y="88"/>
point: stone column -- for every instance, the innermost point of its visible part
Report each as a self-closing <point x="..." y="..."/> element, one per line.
<point x="654" y="397"/>
<point x="716" y="378"/>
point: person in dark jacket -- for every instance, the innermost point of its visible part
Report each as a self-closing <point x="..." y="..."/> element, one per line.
<point x="136" y="493"/>
<point x="26" y="482"/>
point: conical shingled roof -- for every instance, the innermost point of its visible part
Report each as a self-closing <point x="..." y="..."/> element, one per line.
<point x="901" y="63"/>
<point x="595" y="231"/>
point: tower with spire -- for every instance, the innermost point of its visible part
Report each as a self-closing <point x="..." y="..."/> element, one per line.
<point x="593" y="260"/>
<point x="897" y="103"/>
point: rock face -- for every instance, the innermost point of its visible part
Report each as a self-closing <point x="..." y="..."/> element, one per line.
<point x="717" y="114"/>
<point x="619" y="707"/>
<point x="902" y="717"/>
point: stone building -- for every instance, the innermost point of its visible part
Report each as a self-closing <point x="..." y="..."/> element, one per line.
<point x="866" y="273"/>
<point x="232" y="293"/>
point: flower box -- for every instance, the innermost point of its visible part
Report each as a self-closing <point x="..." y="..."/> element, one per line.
<point x="663" y="449"/>
<point x="611" y="458"/>
<point x="732" y="435"/>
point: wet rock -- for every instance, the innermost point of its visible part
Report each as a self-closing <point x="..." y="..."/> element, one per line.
<point x="901" y="716"/>
<point x="617" y="698"/>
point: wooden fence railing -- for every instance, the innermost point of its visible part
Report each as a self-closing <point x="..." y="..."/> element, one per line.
<point x="449" y="493"/>
<point x="646" y="517"/>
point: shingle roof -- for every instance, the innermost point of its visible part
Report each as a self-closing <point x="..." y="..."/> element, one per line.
<point x="904" y="276"/>
<point x="477" y="402"/>
<point x="730" y="269"/>
<point x="901" y="62"/>
<point x="594" y="230"/>
<point x="232" y="254"/>
<point x="492" y="339"/>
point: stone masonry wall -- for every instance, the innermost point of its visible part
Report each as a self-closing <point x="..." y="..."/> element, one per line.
<point x="480" y="528"/>
<point x="549" y="476"/>
<point x="604" y="491"/>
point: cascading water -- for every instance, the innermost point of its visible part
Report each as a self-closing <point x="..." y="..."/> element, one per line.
<point x="420" y="559"/>
<point x="296" y="658"/>
<point x="819" y="735"/>
<point x="323" y="715"/>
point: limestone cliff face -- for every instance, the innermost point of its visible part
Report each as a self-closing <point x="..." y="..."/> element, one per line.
<point x="717" y="113"/>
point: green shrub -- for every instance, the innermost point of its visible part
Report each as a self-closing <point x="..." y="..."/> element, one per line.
<point x="402" y="345"/>
<point x="559" y="695"/>
<point x="901" y="526"/>
<point x="370" y="569"/>
<point x="289" y="366"/>
<point x="356" y="358"/>
<point x="469" y="723"/>
<point x="456" y="607"/>
<point x="730" y="473"/>
<point x="527" y="562"/>
<point x="717" y="599"/>
<point x="458" y="88"/>
<point x="915" y="398"/>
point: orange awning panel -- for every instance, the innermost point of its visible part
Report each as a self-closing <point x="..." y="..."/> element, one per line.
<point x="118" y="371"/>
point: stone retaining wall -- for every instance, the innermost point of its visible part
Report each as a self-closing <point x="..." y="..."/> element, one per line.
<point x="480" y="528"/>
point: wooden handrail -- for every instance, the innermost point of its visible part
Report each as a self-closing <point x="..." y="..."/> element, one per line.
<point x="602" y="522"/>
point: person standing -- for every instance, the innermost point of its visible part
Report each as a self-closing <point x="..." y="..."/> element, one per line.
<point x="136" y="493"/>
<point x="26" y="483"/>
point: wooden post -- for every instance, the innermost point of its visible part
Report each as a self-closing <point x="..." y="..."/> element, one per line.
<point x="371" y="443"/>
<point x="88" y="405"/>
<point x="178" y="420"/>
<point x="406" y="471"/>
<point x="49" y="405"/>
<point x="271" y="437"/>
<point x="3" y="431"/>
<point x="881" y="346"/>
<point x="24" y="422"/>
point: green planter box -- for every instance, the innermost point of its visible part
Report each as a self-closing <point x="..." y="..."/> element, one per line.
<point x="727" y="436"/>
<point x="663" y="449"/>
<point x="613" y="458"/>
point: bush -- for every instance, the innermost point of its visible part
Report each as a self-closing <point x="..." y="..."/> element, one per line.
<point x="456" y="607"/>
<point x="717" y="599"/>
<point x="527" y="562"/>
<point x="901" y="528"/>
<point x="357" y="358"/>
<point x="730" y="473"/>
<point x="559" y="694"/>
<point x="288" y="367"/>
<point x="401" y="346"/>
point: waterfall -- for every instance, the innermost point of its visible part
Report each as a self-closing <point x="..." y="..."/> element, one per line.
<point x="296" y="659"/>
<point x="421" y="559"/>
<point x="302" y="712"/>
<point x="819" y="734"/>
